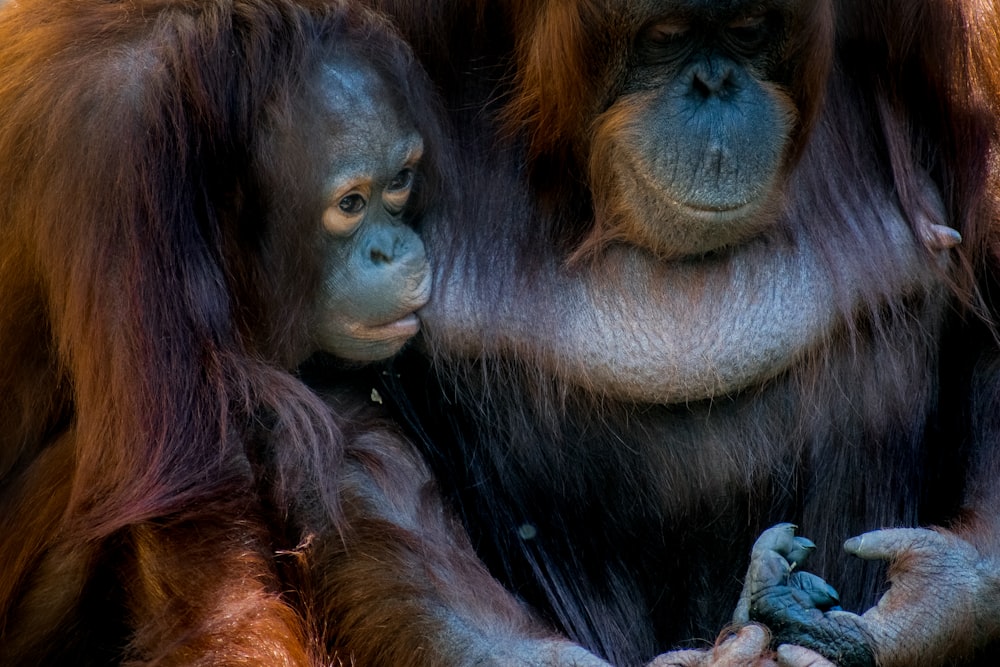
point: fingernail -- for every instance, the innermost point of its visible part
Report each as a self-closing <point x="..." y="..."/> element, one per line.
<point x="946" y="237"/>
<point x="805" y="543"/>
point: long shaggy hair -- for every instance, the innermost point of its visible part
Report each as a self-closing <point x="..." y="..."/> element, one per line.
<point x="641" y="515"/>
<point x="151" y="313"/>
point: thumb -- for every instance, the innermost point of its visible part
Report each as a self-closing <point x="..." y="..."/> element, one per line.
<point x="888" y="544"/>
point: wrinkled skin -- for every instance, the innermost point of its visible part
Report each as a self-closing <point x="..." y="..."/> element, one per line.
<point x="656" y="334"/>
<point x="901" y="629"/>
<point x="749" y="647"/>
<point x="166" y="262"/>
<point x="366" y="155"/>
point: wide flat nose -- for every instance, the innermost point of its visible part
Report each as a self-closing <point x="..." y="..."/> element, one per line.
<point x="712" y="78"/>
<point x="394" y="244"/>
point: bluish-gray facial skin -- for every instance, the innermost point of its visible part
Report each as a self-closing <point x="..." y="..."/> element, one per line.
<point x="687" y="166"/>
<point x="377" y="273"/>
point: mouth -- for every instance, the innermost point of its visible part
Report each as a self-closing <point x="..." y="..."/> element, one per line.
<point x="403" y="328"/>
<point x="716" y="213"/>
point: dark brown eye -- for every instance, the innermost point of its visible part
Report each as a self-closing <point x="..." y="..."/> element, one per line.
<point x="665" y="32"/>
<point x="753" y="22"/>
<point x="352" y="204"/>
<point x="401" y="181"/>
<point x="749" y="32"/>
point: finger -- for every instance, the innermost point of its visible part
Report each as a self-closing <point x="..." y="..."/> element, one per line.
<point x="797" y="656"/>
<point x="742" y="648"/>
<point x="771" y="559"/>
<point x="799" y="550"/>
<point x="890" y="543"/>
<point x="681" y="659"/>
<point x="941" y="237"/>
<point x="779" y="538"/>
<point x="822" y="595"/>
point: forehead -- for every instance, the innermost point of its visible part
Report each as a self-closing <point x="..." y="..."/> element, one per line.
<point x="367" y="130"/>
<point x="711" y="8"/>
<point x="359" y="102"/>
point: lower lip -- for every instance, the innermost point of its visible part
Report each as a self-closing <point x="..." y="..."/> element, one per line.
<point x="736" y="211"/>
<point x="405" y="326"/>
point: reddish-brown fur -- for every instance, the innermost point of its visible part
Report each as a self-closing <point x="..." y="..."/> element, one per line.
<point x="147" y="336"/>
<point x="150" y="318"/>
<point x="645" y="513"/>
<point x="400" y="584"/>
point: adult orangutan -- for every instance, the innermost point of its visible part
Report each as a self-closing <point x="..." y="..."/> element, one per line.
<point x="194" y="197"/>
<point x="706" y="282"/>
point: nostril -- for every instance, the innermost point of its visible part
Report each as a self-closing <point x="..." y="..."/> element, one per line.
<point x="390" y="245"/>
<point x="700" y="87"/>
<point x="379" y="257"/>
<point x="708" y="80"/>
